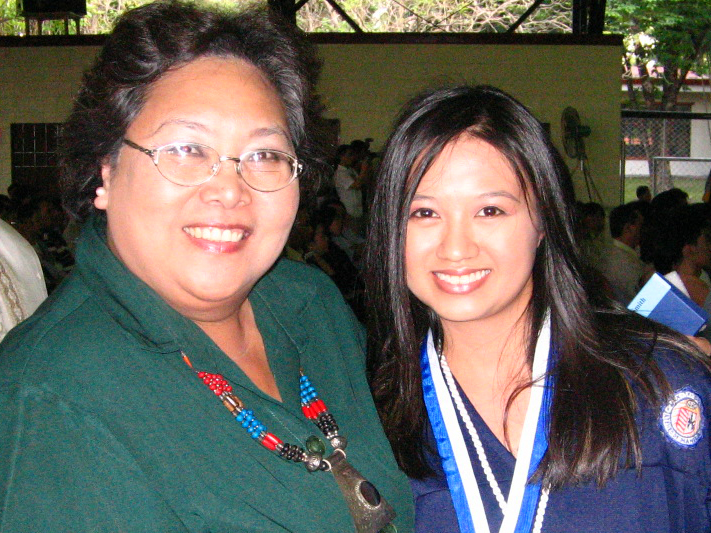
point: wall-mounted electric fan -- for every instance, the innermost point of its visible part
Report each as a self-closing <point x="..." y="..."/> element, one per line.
<point x="574" y="134"/>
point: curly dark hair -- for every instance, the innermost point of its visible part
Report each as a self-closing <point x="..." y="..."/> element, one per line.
<point x="149" y="41"/>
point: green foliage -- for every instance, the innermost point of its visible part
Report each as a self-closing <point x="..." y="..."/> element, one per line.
<point x="99" y="18"/>
<point x="664" y="41"/>
<point x="553" y="16"/>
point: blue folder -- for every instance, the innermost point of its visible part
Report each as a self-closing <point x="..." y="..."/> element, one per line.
<point x="662" y="302"/>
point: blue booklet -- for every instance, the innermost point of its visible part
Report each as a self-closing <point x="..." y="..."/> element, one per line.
<point x="662" y="302"/>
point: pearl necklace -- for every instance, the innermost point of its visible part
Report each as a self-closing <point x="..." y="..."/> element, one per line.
<point x="481" y="454"/>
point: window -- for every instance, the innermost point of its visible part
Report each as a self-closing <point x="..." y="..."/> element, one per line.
<point x="34" y="154"/>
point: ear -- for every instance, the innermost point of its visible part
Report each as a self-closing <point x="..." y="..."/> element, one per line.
<point x="102" y="193"/>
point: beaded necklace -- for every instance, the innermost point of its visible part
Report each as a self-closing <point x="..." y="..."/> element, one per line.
<point x="371" y="513"/>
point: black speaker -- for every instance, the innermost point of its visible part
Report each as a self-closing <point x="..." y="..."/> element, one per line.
<point x="33" y="7"/>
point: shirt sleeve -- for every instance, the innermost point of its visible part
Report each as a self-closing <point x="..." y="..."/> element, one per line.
<point x="61" y="470"/>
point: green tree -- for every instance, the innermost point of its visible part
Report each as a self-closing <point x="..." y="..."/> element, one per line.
<point x="664" y="41"/>
<point x="100" y="16"/>
<point x="553" y="16"/>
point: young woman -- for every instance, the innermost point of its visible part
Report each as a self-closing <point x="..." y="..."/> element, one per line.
<point x="513" y="398"/>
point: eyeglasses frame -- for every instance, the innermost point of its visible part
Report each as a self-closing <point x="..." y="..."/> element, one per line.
<point x="154" y="152"/>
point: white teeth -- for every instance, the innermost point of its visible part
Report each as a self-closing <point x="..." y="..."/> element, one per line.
<point x="215" y="234"/>
<point x="463" y="280"/>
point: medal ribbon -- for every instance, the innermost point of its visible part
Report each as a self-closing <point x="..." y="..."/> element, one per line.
<point x="523" y="497"/>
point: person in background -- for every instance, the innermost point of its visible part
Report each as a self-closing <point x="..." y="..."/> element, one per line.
<point x="185" y="153"/>
<point x="620" y="264"/>
<point x="22" y="287"/>
<point x="644" y="194"/>
<point x="41" y="221"/>
<point x="591" y="236"/>
<point x="342" y="235"/>
<point x="329" y="257"/>
<point x="683" y="251"/>
<point x="514" y="398"/>
<point x="348" y="183"/>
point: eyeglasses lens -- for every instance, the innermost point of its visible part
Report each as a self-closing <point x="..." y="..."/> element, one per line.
<point x="192" y="164"/>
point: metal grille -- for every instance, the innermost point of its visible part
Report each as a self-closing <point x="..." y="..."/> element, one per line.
<point x="34" y="145"/>
<point x="664" y="150"/>
<point x="33" y="157"/>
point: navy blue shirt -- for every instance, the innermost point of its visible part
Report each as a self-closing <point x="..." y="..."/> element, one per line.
<point x="672" y="493"/>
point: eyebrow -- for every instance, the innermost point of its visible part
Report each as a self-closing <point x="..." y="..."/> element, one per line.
<point x="491" y="194"/>
<point x="191" y="124"/>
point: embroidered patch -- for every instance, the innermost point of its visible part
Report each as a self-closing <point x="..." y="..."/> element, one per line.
<point x="682" y="418"/>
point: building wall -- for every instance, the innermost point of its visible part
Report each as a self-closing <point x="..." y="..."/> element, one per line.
<point x="364" y="85"/>
<point x="700" y="129"/>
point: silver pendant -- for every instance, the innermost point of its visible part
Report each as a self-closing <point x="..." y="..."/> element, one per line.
<point x="369" y="510"/>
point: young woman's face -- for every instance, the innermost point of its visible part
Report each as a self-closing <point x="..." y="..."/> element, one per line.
<point x="471" y="237"/>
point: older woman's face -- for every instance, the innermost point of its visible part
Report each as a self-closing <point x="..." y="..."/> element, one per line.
<point x="201" y="248"/>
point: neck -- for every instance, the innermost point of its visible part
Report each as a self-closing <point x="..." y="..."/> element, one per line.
<point x="624" y="239"/>
<point x="494" y="349"/>
<point x="688" y="268"/>
<point x="238" y="336"/>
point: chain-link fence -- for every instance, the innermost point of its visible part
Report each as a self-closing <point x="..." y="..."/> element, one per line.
<point x="663" y="150"/>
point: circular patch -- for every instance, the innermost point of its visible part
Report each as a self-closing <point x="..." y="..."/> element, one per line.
<point x="682" y="418"/>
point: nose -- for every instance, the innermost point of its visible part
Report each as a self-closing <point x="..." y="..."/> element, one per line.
<point x="226" y="187"/>
<point x="458" y="241"/>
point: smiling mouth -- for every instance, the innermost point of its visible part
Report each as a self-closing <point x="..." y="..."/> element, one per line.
<point x="466" y="279"/>
<point x="215" y="234"/>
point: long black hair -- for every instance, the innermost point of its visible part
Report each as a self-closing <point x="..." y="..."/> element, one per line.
<point x="151" y="40"/>
<point x="592" y="420"/>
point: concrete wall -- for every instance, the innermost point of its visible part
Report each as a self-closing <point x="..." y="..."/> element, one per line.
<point x="364" y="85"/>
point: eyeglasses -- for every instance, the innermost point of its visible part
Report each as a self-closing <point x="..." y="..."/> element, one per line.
<point x="192" y="164"/>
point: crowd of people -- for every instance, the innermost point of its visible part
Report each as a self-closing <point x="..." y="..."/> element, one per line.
<point x="41" y="220"/>
<point x="498" y="384"/>
<point x="663" y="234"/>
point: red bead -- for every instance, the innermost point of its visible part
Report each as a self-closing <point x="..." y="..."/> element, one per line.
<point x="212" y="386"/>
<point x="218" y="391"/>
<point x="270" y="441"/>
<point x="201" y="375"/>
<point x="307" y="411"/>
<point x="318" y="406"/>
<point x="228" y="388"/>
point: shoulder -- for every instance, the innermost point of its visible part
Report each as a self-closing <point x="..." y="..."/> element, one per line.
<point x="11" y="240"/>
<point x="343" y="174"/>
<point x="297" y="282"/>
<point x="682" y="418"/>
<point x="67" y="330"/>
<point x="302" y="298"/>
<point x="682" y="369"/>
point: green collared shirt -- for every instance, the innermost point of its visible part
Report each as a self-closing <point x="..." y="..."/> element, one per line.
<point x="104" y="428"/>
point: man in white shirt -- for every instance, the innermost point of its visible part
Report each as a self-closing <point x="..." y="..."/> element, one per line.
<point x="348" y="186"/>
<point x="621" y="265"/>
<point x="22" y="287"/>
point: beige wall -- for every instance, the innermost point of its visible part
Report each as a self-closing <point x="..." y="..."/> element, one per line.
<point x="547" y="78"/>
<point x="364" y="85"/>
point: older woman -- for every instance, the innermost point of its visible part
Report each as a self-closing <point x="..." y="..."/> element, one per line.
<point x="184" y="153"/>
